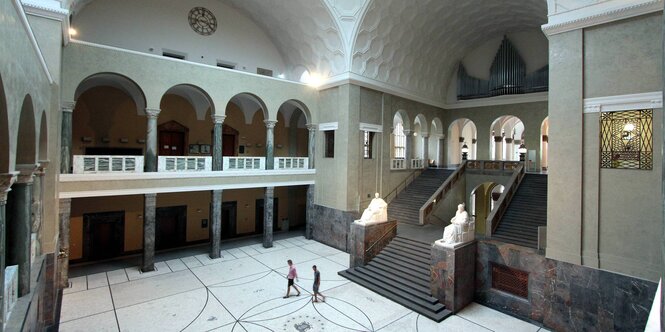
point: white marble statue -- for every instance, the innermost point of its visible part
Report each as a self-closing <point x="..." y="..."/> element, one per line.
<point x="453" y="232"/>
<point x="376" y="212"/>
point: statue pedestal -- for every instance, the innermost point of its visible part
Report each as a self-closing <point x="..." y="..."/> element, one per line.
<point x="367" y="240"/>
<point x="453" y="274"/>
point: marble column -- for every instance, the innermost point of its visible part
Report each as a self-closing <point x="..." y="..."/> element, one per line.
<point x="309" y="211"/>
<point x="6" y="181"/>
<point x="216" y="224"/>
<point x="217" y="142"/>
<point x="425" y="151"/>
<point x="38" y="207"/>
<point x="149" y="223"/>
<point x="497" y="147"/>
<point x="268" y="216"/>
<point x="19" y="226"/>
<point x="442" y="151"/>
<point x="509" y="148"/>
<point x="66" y="138"/>
<point x="311" y="144"/>
<point x="408" y="147"/>
<point x="63" y="242"/>
<point x="270" y="144"/>
<point x="151" y="140"/>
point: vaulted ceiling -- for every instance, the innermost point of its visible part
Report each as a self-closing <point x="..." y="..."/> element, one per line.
<point x="413" y="46"/>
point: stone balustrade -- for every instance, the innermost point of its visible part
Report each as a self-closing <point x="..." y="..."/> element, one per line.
<point x="184" y="164"/>
<point x="89" y="164"/>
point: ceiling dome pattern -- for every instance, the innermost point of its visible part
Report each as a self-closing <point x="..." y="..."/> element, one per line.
<point x="303" y="30"/>
<point x="416" y="45"/>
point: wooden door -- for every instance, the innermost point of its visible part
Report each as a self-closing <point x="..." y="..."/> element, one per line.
<point x="171" y="143"/>
<point x="171" y="227"/>
<point x="228" y="145"/>
<point x="229" y="213"/>
<point x="258" y="228"/>
<point x="104" y="235"/>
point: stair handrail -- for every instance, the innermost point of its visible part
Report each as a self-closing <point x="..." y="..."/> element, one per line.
<point x="493" y="219"/>
<point x="403" y="184"/>
<point x="441" y="192"/>
<point x="381" y="238"/>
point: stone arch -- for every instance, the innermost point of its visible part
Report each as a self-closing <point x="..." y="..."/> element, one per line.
<point x="26" y="144"/>
<point x="196" y="96"/>
<point x="461" y="131"/>
<point x="291" y="135"/>
<point x="511" y="130"/>
<point x="117" y="81"/>
<point x="295" y="104"/>
<point x="249" y="104"/>
<point x="403" y="117"/>
<point x="436" y="127"/>
<point x="43" y="138"/>
<point x="421" y="122"/>
<point x="4" y="131"/>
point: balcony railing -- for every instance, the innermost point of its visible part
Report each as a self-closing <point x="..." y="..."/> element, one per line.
<point x="184" y="164"/>
<point x="291" y="163"/>
<point x="417" y="163"/>
<point x="244" y="163"/>
<point x="107" y="164"/>
<point x="397" y="164"/>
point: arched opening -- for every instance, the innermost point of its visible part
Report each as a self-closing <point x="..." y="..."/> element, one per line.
<point x="544" y="143"/>
<point x="26" y="141"/>
<point x="420" y="131"/>
<point x="460" y="132"/>
<point x="435" y="148"/>
<point x="4" y="131"/>
<point x="291" y="134"/>
<point x="506" y="135"/>
<point x="109" y="117"/>
<point x="244" y="131"/>
<point x="401" y="128"/>
<point x="43" y="138"/>
<point x="185" y="123"/>
<point x="481" y="202"/>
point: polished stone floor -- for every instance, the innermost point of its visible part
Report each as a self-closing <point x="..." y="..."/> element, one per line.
<point x="242" y="291"/>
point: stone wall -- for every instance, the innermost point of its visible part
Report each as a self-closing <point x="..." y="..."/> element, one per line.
<point x="332" y="226"/>
<point x="564" y="296"/>
<point x="367" y="241"/>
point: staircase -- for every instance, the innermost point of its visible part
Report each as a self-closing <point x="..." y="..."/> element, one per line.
<point x="406" y="206"/>
<point x="401" y="272"/>
<point x="527" y="211"/>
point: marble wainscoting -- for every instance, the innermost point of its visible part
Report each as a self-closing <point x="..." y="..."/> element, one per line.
<point x="564" y="296"/>
<point x="332" y="226"/>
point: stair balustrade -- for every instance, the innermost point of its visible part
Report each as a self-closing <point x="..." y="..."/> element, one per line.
<point x="501" y="205"/>
<point x="402" y="185"/>
<point x="440" y="193"/>
<point x="93" y="164"/>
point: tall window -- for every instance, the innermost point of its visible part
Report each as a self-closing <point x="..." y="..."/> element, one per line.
<point x="330" y="143"/>
<point x="400" y="141"/>
<point x="368" y="141"/>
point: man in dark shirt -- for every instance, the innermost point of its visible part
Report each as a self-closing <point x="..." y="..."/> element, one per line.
<point x="315" y="287"/>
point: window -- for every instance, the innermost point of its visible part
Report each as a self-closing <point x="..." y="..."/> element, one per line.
<point x="368" y="141"/>
<point x="226" y="65"/>
<point x="330" y="143"/>
<point x="400" y="142"/>
<point x="264" y="72"/>
<point x="174" y="54"/>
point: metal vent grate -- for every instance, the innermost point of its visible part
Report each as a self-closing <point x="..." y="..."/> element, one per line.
<point x="510" y="280"/>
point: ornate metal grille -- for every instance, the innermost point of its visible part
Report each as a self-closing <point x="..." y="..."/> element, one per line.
<point x="510" y="280"/>
<point x="626" y="139"/>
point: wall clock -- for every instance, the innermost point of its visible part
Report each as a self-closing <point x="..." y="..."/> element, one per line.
<point x="202" y="21"/>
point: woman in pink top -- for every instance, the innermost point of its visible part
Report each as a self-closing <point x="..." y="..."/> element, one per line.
<point x="293" y="274"/>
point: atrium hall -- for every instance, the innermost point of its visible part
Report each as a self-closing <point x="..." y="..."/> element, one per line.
<point x="160" y="161"/>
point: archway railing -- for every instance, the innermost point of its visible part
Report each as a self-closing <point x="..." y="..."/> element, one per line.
<point x="493" y="219"/>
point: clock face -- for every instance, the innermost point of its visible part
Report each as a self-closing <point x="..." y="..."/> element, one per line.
<point x="202" y="21"/>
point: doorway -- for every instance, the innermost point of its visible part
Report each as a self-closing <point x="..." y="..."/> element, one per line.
<point x="104" y="235"/>
<point x="171" y="227"/>
<point x="229" y="218"/>
<point x="258" y="227"/>
<point x="172" y="139"/>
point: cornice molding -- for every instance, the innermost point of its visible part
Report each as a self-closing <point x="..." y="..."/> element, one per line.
<point x="328" y="126"/>
<point x="636" y="101"/>
<point x="599" y="13"/>
<point x="375" y="128"/>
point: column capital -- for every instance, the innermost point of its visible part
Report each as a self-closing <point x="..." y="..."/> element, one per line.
<point x="6" y="181"/>
<point x="508" y="140"/>
<point x="218" y="119"/>
<point x="425" y="136"/>
<point x="312" y="126"/>
<point x="152" y="113"/>
<point x="67" y="106"/>
<point x="407" y="132"/>
<point x="26" y="173"/>
<point x="440" y="136"/>
<point x="270" y="124"/>
<point x="42" y="166"/>
<point x="498" y="139"/>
